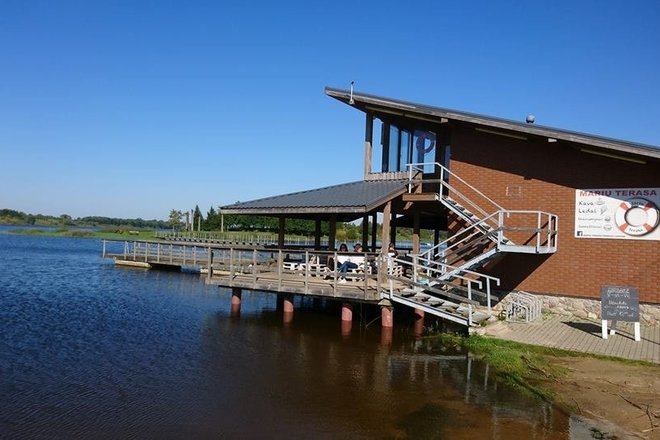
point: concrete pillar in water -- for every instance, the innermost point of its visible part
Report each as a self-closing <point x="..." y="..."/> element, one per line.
<point x="387" y="315"/>
<point x="346" y="327"/>
<point x="346" y="318"/>
<point x="347" y="312"/>
<point x="235" y="301"/>
<point x="287" y="306"/>
<point x="236" y="293"/>
<point x="419" y="322"/>
<point x="386" y="336"/>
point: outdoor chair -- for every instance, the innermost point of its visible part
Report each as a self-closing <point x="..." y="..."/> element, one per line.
<point x="314" y="266"/>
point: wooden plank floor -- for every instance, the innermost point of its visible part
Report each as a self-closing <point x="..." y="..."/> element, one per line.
<point x="355" y="290"/>
<point x="581" y="335"/>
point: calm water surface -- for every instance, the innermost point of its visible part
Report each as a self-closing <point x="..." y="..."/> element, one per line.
<point x="91" y="351"/>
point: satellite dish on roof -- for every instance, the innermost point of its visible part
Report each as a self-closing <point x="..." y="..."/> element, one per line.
<point x="530" y="119"/>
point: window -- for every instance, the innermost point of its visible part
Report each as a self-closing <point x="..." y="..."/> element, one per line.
<point x="403" y="146"/>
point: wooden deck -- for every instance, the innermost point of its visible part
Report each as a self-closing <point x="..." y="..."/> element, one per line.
<point x="307" y="272"/>
<point x="298" y="283"/>
<point x="261" y="269"/>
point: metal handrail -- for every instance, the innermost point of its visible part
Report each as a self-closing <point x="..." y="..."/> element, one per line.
<point x="490" y="225"/>
<point x="469" y="282"/>
<point x="445" y="173"/>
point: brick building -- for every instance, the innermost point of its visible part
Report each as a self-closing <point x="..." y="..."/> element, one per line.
<point x="532" y="208"/>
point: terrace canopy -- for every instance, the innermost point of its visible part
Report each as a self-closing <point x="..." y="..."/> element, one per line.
<point x="344" y="203"/>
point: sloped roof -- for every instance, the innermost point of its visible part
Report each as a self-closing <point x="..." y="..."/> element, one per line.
<point x="349" y="200"/>
<point x="406" y="109"/>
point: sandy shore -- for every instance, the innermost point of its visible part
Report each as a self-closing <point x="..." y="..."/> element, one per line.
<point x="622" y="399"/>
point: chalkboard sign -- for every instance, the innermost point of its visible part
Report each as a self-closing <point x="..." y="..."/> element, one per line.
<point x="619" y="303"/>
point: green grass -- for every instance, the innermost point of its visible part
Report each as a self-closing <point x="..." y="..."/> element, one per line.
<point x="110" y="233"/>
<point x="525" y="367"/>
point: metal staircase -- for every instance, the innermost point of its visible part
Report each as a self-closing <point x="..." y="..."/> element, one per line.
<point x="442" y="280"/>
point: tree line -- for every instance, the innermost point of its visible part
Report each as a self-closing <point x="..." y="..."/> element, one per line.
<point x="213" y="221"/>
<point x="10" y="216"/>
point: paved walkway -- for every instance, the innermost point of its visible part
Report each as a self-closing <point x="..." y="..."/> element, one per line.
<point x="581" y="335"/>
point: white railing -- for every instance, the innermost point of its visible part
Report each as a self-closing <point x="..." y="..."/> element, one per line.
<point x="234" y="237"/>
<point x="415" y="170"/>
<point x="494" y="222"/>
<point x="259" y="268"/>
<point x="425" y="278"/>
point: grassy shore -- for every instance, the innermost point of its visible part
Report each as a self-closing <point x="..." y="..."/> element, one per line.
<point x="110" y="233"/>
<point x="528" y="367"/>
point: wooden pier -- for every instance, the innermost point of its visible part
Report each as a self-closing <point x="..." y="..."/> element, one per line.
<point x="254" y="268"/>
<point x="378" y="279"/>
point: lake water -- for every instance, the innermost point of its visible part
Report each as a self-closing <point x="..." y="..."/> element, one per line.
<point x="92" y="351"/>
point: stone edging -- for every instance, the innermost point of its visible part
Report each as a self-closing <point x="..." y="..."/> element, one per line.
<point x="649" y="314"/>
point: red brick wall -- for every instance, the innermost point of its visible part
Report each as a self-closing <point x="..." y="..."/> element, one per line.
<point x="544" y="176"/>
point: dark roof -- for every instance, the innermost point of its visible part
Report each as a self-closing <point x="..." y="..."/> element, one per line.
<point x="348" y="201"/>
<point x="405" y="109"/>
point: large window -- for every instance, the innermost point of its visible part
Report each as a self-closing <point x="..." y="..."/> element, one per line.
<point x="424" y="151"/>
<point x="403" y="146"/>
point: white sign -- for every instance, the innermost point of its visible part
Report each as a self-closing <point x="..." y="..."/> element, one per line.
<point x="623" y="213"/>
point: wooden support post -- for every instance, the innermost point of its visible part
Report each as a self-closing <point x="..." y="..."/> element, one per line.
<point x="387" y="219"/>
<point x="416" y="228"/>
<point x="317" y="234"/>
<point x="385" y="239"/>
<point x="332" y="233"/>
<point x="368" y="138"/>
<point x="374" y="231"/>
<point x="365" y="232"/>
<point x="209" y="263"/>
<point x="280" y="235"/>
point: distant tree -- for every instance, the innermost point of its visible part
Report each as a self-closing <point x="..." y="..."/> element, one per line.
<point x="175" y="218"/>
<point x="198" y="218"/>
<point x="9" y="216"/>
<point x="213" y="220"/>
<point x="65" y="219"/>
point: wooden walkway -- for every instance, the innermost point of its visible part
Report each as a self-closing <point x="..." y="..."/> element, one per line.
<point x="361" y="290"/>
<point x="581" y="335"/>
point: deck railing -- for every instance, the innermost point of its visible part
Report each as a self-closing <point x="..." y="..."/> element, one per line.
<point x="237" y="238"/>
<point x="258" y="268"/>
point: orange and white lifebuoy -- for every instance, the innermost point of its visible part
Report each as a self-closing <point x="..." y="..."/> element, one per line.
<point x="636" y="216"/>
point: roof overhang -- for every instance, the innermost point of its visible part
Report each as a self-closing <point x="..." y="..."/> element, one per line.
<point x="346" y="202"/>
<point x="386" y="106"/>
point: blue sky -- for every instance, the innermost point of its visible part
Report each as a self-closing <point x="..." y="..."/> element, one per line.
<point x="133" y="108"/>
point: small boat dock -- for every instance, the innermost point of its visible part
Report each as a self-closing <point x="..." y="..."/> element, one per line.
<point x="378" y="279"/>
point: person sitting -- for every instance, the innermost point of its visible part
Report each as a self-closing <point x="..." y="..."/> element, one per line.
<point x="391" y="251"/>
<point x="347" y="263"/>
<point x="393" y="268"/>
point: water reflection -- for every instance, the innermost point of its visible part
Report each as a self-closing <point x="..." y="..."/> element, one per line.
<point x="88" y="350"/>
<point x="313" y="377"/>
